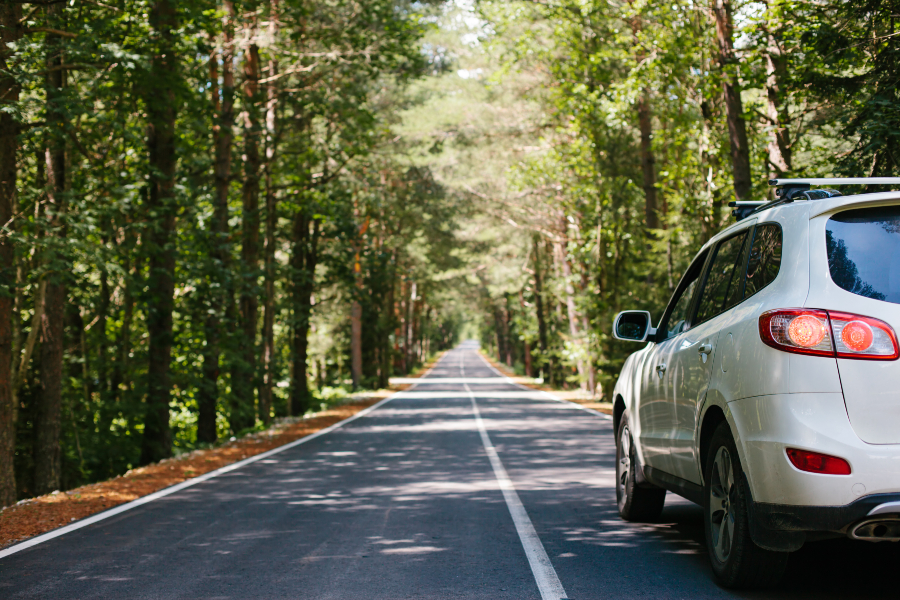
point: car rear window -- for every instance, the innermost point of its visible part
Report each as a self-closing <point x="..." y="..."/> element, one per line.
<point x="864" y="252"/>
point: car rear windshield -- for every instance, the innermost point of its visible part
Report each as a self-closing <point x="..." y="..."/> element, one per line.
<point x="864" y="252"/>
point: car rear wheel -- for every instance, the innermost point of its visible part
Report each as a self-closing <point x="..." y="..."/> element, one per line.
<point x="636" y="503"/>
<point x="737" y="562"/>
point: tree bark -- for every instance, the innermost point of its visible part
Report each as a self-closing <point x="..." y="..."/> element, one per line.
<point x="779" y="146"/>
<point x="734" y="106"/>
<point x="508" y="351"/>
<point x="404" y="324"/>
<point x="410" y="326"/>
<point x="356" y="343"/>
<point x="356" y="361"/>
<point x="388" y="309"/>
<point x="574" y="329"/>
<point x="47" y="467"/>
<point x="243" y="413"/>
<point x="268" y="333"/>
<point x="304" y="259"/>
<point x="526" y="345"/>
<point x="161" y="106"/>
<point x="648" y="162"/>
<point x="539" y="309"/>
<point x="219" y="292"/>
<point x="10" y="32"/>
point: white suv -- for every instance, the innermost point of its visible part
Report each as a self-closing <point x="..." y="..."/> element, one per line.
<point x="769" y="393"/>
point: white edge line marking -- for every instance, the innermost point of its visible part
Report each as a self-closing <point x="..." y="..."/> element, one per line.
<point x="191" y="482"/>
<point x="547" y="394"/>
<point x="544" y="574"/>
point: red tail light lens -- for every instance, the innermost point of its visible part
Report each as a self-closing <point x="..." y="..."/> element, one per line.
<point x="797" y="330"/>
<point x="857" y="336"/>
<point x="863" y="337"/>
<point x="806" y="331"/>
<point x="828" y="333"/>
<point x="813" y="462"/>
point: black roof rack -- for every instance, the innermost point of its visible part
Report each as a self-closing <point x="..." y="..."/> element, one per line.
<point x="792" y="189"/>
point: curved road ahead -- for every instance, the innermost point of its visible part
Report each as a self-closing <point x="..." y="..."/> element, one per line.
<point x="465" y="486"/>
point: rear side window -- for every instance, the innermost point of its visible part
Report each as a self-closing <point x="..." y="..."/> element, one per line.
<point x="863" y="248"/>
<point x="722" y="289"/>
<point x="765" y="258"/>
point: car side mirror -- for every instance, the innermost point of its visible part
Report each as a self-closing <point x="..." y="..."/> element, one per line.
<point x="633" y="326"/>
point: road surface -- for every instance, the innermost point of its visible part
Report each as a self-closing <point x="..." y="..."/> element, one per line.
<point x="466" y="486"/>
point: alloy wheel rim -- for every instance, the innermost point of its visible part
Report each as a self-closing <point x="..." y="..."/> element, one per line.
<point x="623" y="470"/>
<point x="722" y="492"/>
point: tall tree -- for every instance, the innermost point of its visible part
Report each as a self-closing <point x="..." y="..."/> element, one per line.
<point x="243" y="414"/>
<point x="47" y="468"/>
<point x="304" y="259"/>
<point x="779" y="146"/>
<point x="268" y="332"/>
<point x="219" y="291"/>
<point x="734" y="106"/>
<point x="160" y="89"/>
<point x="10" y="32"/>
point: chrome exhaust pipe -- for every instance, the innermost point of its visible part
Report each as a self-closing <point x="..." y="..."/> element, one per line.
<point x="877" y="530"/>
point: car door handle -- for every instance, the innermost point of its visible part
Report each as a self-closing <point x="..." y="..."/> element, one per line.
<point x="705" y="349"/>
<point x="661" y="369"/>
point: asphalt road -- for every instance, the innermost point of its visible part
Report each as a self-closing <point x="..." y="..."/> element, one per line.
<point x="406" y="502"/>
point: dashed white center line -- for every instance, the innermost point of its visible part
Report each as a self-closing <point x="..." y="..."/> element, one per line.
<point x="544" y="574"/>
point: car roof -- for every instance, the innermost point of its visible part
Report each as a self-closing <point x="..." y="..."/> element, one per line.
<point x="815" y="208"/>
<point x="821" y="207"/>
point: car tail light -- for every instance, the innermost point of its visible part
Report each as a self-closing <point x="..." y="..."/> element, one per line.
<point x="828" y="333"/>
<point x="814" y="462"/>
<point x="797" y="330"/>
<point x="863" y="337"/>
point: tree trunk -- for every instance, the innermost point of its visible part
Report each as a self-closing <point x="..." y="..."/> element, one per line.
<point x="356" y="362"/>
<point x="779" y="147"/>
<point x="508" y="351"/>
<point x="734" y="106"/>
<point x="303" y="273"/>
<point x="10" y="15"/>
<point x="388" y="308"/>
<point x="119" y="378"/>
<point x="268" y="333"/>
<point x="539" y="309"/>
<point x="648" y="162"/>
<point x="498" y="333"/>
<point x="243" y="414"/>
<point x="574" y="329"/>
<point x="47" y="468"/>
<point x="414" y="308"/>
<point x="219" y="293"/>
<point x="162" y="208"/>
<point x="356" y="343"/>
<point x="526" y="345"/>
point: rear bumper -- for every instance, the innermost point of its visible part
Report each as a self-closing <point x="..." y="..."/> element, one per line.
<point x="785" y="528"/>
<point x="766" y="425"/>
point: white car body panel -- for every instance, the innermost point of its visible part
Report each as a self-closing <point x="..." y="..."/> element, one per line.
<point x="871" y="388"/>
<point x="772" y="399"/>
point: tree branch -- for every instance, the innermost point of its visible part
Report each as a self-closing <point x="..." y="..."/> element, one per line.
<point x="58" y="32"/>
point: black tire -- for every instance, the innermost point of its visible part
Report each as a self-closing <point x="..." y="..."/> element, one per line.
<point x="736" y="561"/>
<point x="636" y="503"/>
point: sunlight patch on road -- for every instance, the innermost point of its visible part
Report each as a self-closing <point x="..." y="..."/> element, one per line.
<point x="412" y="550"/>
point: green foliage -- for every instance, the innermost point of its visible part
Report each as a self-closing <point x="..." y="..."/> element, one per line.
<point x="330" y="76"/>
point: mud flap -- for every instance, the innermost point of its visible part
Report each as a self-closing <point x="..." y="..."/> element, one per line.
<point x="771" y="530"/>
